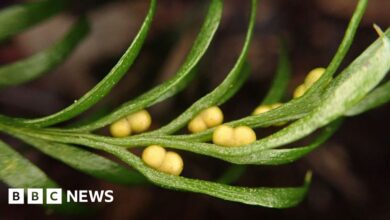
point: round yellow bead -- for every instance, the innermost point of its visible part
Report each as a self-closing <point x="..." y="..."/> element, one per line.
<point x="120" y="128"/>
<point x="261" y="109"/>
<point x="212" y="116"/>
<point x="244" y="135"/>
<point x="172" y="164"/>
<point x="313" y="76"/>
<point x="197" y="125"/>
<point x="223" y="135"/>
<point x="140" y="121"/>
<point x="299" y="91"/>
<point x="154" y="156"/>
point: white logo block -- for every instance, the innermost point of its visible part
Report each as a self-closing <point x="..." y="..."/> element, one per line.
<point x="34" y="196"/>
<point x="53" y="196"/>
<point x="15" y="196"/>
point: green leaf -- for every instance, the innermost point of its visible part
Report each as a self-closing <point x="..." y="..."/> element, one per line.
<point x="374" y="99"/>
<point x="284" y="156"/>
<point x="39" y="64"/>
<point x="361" y="76"/>
<point x="175" y="84"/>
<point x="300" y="107"/>
<point x="275" y="94"/>
<point x="220" y="94"/>
<point x="17" y="18"/>
<point x="325" y="102"/>
<point x="263" y="196"/>
<point x="224" y="91"/>
<point x="264" y="157"/>
<point x="234" y="86"/>
<point x="86" y="161"/>
<point x="270" y="197"/>
<point x="343" y="48"/>
<point x="297" y="108"/>
<point x="101" y="89"/>
<point x="18" y="172"/>
<point x="345" y="91"/>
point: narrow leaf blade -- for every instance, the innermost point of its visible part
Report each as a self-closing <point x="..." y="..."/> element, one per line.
<point x="17" y="18"/>
<point x="221" y="93"/>
<point x="101" y="89"/>
<point x="175" y="84"/>
<point x="261" y="196"/>
<point x="18" y="172"/>
<point x="39" y="64"/>
<point x="86" y="161"/>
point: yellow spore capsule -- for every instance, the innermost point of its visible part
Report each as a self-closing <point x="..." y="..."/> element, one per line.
<point x="261" y="109"/>
<point x="154" y="156"/>
<point x="265" y="108"/>
<point x="207" y="118"/>
<point x="299" y="91"/>
<point x="139" y="121"/>
<point x="243" y="135"/>
<point x="224" y="135"/>
<point x="172" y="164"/>
<point x="120" y="128"/>
<point x="313" y="76"/>
<point x="197" y="125"/>
<point x="310" y="79"/>
<point x="212" y="116"/>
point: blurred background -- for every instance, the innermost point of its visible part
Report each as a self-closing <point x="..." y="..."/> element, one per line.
<point x="351" y="171"/>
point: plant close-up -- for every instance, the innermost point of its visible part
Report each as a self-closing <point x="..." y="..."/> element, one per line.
<point x="144" y="139"/>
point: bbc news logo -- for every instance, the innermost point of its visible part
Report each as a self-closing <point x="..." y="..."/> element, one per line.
<point x="53" y="196"/>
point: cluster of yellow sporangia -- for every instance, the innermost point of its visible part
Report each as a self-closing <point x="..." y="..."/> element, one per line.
<point x="170" y="162"/>
<point x="206" y="119"/>
<point x="133" y="123"/>
<point x="310" y="79"/>
<point x="225" y="135"/>
<point x="165" y="161"/>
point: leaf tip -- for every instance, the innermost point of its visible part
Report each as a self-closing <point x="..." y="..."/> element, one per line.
<point x="378" y="30"/>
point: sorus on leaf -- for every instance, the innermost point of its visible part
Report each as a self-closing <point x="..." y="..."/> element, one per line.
<point x="310" y="79"/>
<point x="158" y="158"/>
<point x="207" y="118"/>
<point x="225" y="135"/>
<point x="136" y="122"/>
